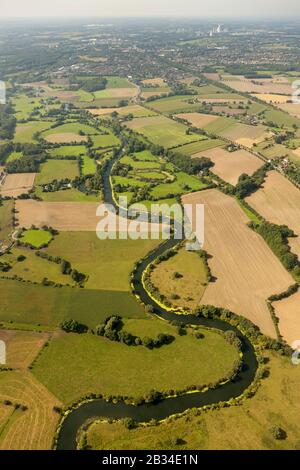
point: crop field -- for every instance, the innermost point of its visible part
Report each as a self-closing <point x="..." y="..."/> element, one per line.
<point x="66" y="195"/>
<point x="68" y="151"/>
<point x="135" y="110"/>
<point x="68" y="133"/>
<point x="25" y="132"/>
<point x="200" y="146"/>
<point x="281" y="118"/>
<point x="230" y="165"/>
<point x="246" y="135"/>
<point x="244" y="427"/>
<point x="33" y="268"/>
<point x="249" y="86"/>
<point x="174" y="104"/>
<point x="182" y="279"/>
<point x="198" y="119"/>
<point x="279" y="202"/>
<point x="6" y="219"/>
<point x="17" y="183"/>
<point x="118" y="82"/>
<point x="246" y="270"/>
<point x="64" y="216"/>
<point x="36" y="238"/>
<point x="22" y="347"/>
<point x="57" y="170"/>
<point x="291" y="108"/>
<point x="39" y="418"/>
<point x="156" y="81"/>
<point x="162" y="131"/>
<point x="34" y="304"/>
<point x="287" y="311"/>
<point x="271" y="98"/>
<point x="114" y="368"/>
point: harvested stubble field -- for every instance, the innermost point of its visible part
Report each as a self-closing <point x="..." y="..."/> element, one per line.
<point x="69" y="216"/>
<point x="17" y="184"/>
<point x="6" y="220"/>
<point x="65" y="138"/>
<point x="274" y="99"/>
<point x="246" y="270"/>
<point x="246" y="135"/>
<point x="197" y="119"/>
<point x="287" y="310"/>
<point x="261" y="87"/>
<point x="22" y="347"/>
<point x="39" y="418"/>
<point x="279" y="202"/>
<point x="230" y="165"/>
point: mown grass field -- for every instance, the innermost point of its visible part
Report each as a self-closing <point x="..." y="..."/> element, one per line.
<point x="163" y="131"/>
<point x="113" y="368"/>
<point x="189" y="287"/>
<point x="35" y="304"/>
<point x="36" y="238"/>
<point x="244" y="427"/>
<point x="103" y="141"/>
<point x="34" y="428"/>
<point x="57" y="170"/>
<point x="173" y="104"/>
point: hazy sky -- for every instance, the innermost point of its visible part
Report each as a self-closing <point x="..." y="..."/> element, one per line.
<point x="149" y="8"/>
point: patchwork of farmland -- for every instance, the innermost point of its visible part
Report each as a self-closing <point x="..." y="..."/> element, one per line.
<point x="246" y="270"/>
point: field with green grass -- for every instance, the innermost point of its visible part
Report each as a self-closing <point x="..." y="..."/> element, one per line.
<point x="105" y="140"/>
<point x="24" y="105"/>
<point x="89" y="255"/>
<point x="68" y="151"/>
<point x="88" y="165"/>
<point x="36" y="238"/>
<point x="70" y="127"/>
<point x="14" y="156"/>
<point x="113" y="368"/>
<point x="67" y="195"/>
<point x="163" y="131"/>
<point x="183" y="184"/>
<point x="6" y="220"/>
<point x="57" y="170"/>
<point x="174" y="104"/>
<point x="244" y="427"/>
<point x="25" y="264"/>
<point x="28" y="303"/>
<point x="25" y="132"/>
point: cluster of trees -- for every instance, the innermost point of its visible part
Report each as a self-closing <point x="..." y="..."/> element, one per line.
<point x="65" y="266"/>
<point x="89" y="184"/>
<point x="112" y="329"/>
<point x="7" y="122"/>
<point x="249" y="184"/>
<point x="5" y="150"/>
<point x="277" y="238"/>
<point x="26" y="164"/>
<point x="192" y="166"/>
<point x="92" y="84"/>
<point x="73" y="326"/>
